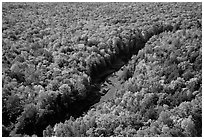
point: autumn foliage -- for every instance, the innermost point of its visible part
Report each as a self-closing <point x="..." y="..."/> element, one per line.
<point x="55" y="64"/>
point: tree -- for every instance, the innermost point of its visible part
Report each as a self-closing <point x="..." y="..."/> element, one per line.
<point x="188" y="125"/>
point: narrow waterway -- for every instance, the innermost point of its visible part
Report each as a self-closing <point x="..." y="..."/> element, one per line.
<point x="106" y="83"/>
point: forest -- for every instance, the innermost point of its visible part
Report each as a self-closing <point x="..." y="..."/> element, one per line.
<point x="108" y="69"/>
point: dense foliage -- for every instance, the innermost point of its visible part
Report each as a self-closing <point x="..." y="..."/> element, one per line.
<point x="55" y="56"/>
<point x="162" y="98"/>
